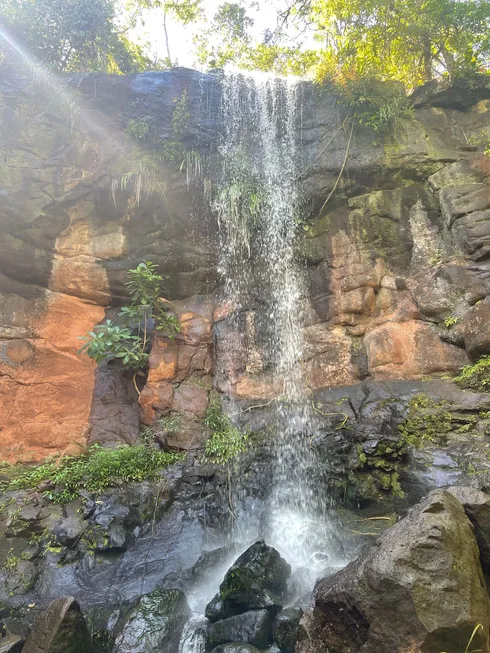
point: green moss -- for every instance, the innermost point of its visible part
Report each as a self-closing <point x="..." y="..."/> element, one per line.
<point x="427" y="422"/>
<point x="377" y="473"/>
<point x="476" y="376"/>
<point x="94" y="471"/>
<point x="235" y="583"/>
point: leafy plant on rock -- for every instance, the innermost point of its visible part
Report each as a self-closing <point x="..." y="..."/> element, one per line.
<point x="226" y="441"/>
<point x="127" y="337"/>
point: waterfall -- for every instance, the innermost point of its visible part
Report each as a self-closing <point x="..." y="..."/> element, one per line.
<point x="258" y="207"/>
<point x="257" y="203"/>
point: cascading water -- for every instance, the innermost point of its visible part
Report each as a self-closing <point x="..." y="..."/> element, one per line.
<point x="257" y="204"/>
<point x="258" y="208"/>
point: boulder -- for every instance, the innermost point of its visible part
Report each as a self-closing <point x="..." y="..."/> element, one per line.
<point x="420" y="588"/>
<point x="203" y="571"/>
<point x="256" y="580"/>
<point x="61" y="628"/>
<point x="155" y="624"/>
<point x="253" y="627"/>
<point x="11" y="644"/>
<point x="475" y="327"/>
<point x="477" y="507"/>
<point x="285" y="630"/>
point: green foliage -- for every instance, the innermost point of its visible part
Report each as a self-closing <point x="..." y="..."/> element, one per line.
<point x="476" y="376"/>
<point x="372" y="102"/>
<point x="138" y="129"/>
<point x="127" y="337"/>
<point x="242" y="202"/>
<point x="378" y="472"/>
<point x="428" y="421"/>
<point x="481" y="140"/>
<point x="180" y="115"/>
<point x="226" y="441"/>
<point x="451" y="321"/>
<point x="71" y="35"/>
<point x="94" y="471"/>
<point x="148" y="164"/>
<point x="403" y="40"/>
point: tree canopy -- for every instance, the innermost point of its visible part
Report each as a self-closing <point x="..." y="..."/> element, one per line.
<point x="402" y="40"/>
<point x="68" y="35"/>
<point x="406" y="40"/>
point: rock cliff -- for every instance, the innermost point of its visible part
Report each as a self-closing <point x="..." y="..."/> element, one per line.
<point x="398" y="258"/>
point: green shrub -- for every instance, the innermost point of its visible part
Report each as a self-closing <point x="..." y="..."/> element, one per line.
<point x="226" y="441"/>
<point x="475" y="377"/>
<point x="138" y="129"/>
<point x="372" y="102"/>
<point x="127" y="337"/>
<point x="94" y="471"/>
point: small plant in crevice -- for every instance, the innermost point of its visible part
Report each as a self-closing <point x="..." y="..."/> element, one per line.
<point x="153" y="154"/>
<point x="94" y="471"/>
<point x="481" y="141"/>
<point x="226" y="441"/>
<point x="476" y="376"/>
<point x="451" y="321"/>
<point x="127" y="337"/>
<point x="468" y="648"/>
<point x="181" y="115"/>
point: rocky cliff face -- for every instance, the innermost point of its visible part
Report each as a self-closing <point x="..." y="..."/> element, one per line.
<point x="398" y="252"/>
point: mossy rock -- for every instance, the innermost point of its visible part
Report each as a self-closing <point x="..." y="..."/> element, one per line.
<point x="256" y="580"/>
<point x="155" y="624"/>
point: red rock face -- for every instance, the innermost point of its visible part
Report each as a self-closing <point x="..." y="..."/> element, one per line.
<point x="386" y="268"/>
<point x="45" y="387"/>
<point x="180" y="374"/>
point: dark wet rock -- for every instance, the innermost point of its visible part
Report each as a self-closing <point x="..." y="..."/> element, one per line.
<point x="215" y="609"/>
<point x="257" y="579"/>
<point x="253" y="627"/>
<point x="155" y="624"/>
<point x="477" y="507"/>
<point x="69" y="530"/>
<point x="299" y="582"/>
<point x="440" y="93"/>
<point x="285" y="630"/>
<point x="420" y="588"/>
<point x="239" y="647"/>
<point x="203" y="570"/>
<point x="61" y="628"/>
<point x="11" y="644"/>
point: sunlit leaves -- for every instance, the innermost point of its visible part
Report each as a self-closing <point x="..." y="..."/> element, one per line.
<point x="71" y="35"/>
<point x="128" y="336"/>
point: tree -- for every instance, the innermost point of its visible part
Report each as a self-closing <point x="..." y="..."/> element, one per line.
<point x="412" y="41"/>
<point x="406" y="40"/>
<point x="70" y="35"/>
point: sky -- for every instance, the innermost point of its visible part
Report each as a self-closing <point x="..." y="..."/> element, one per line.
<point x="180" y="36"/>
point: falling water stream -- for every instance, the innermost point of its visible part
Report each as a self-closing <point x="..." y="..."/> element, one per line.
<point x="258" y="204"/>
